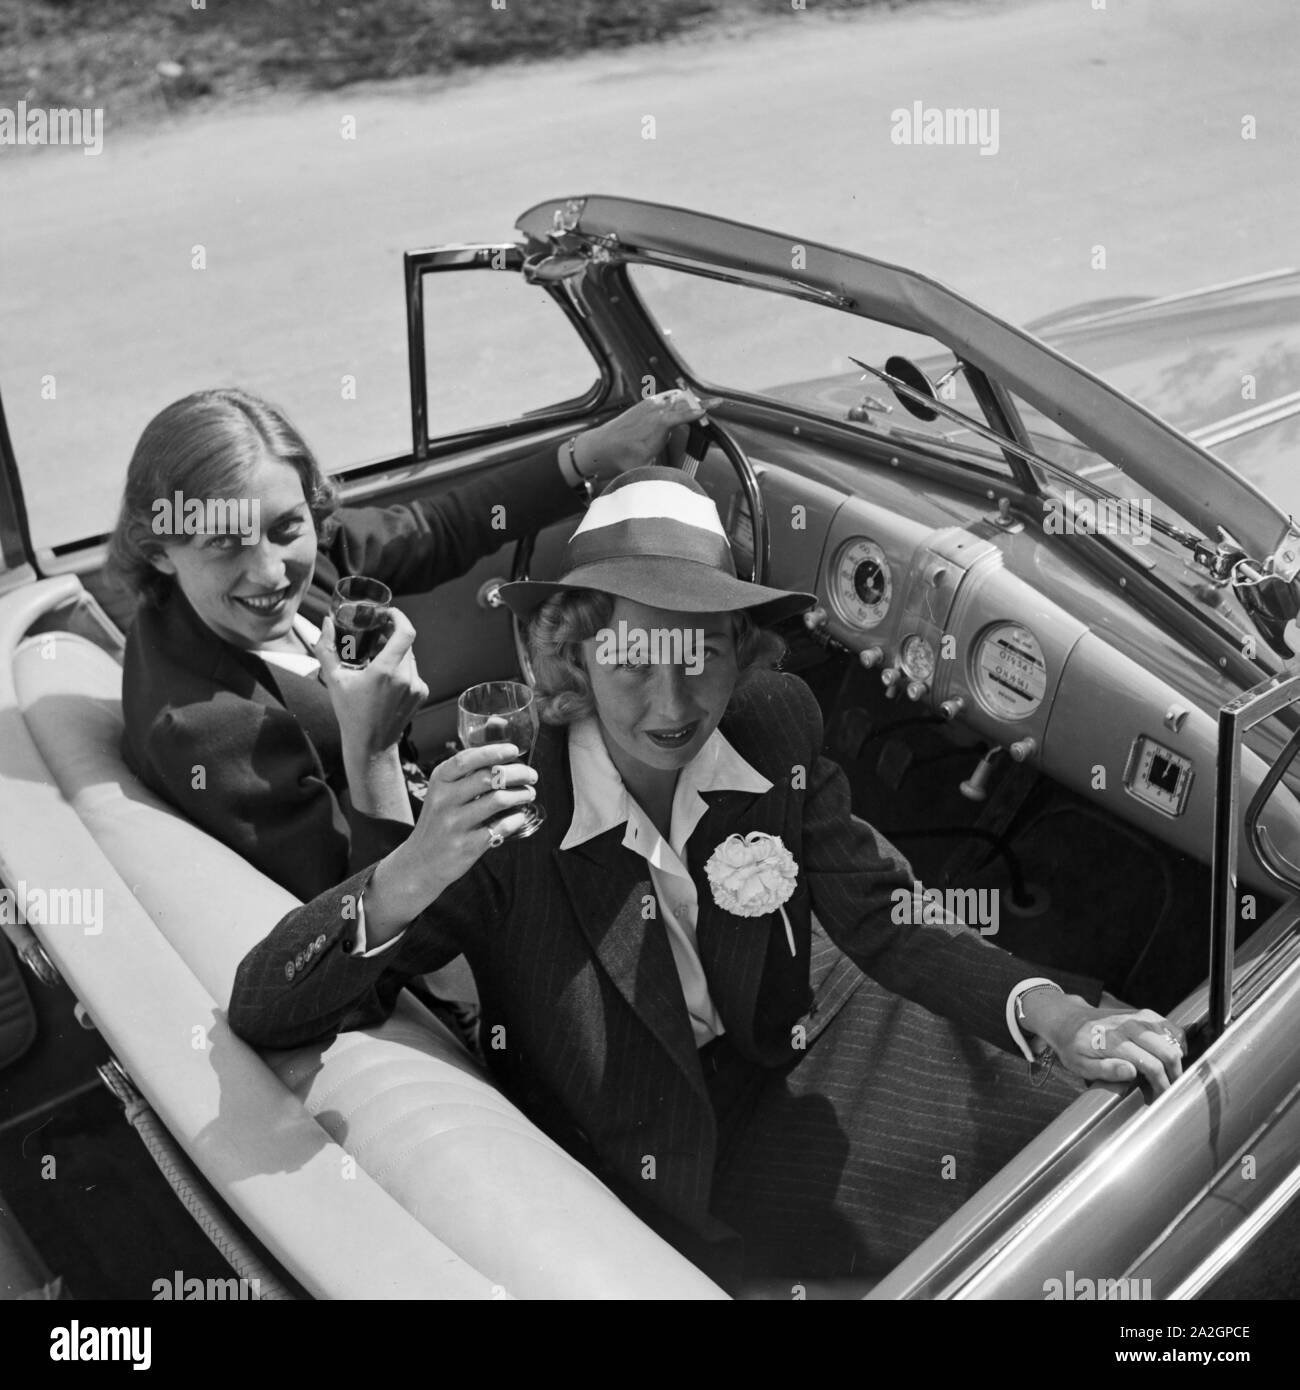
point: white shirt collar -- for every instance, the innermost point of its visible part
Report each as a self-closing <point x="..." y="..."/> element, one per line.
<point x="601" y="801"/>
<point x="303" y="663"/>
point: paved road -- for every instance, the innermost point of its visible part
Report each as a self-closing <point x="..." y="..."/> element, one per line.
<point x="1119" y="127"/>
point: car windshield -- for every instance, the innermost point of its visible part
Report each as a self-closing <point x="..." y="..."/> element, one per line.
<point x="764" y="343"/>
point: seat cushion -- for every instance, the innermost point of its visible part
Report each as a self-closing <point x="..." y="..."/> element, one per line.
<point x="404" y="1099"/>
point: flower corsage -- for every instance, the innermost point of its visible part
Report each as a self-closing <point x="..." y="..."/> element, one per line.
<point x="753" y="875"/>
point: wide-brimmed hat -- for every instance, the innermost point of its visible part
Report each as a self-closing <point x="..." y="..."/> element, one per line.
<point x="654" y="536"/>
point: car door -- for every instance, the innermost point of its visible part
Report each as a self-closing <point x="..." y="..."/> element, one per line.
<point x="500" y="369"/>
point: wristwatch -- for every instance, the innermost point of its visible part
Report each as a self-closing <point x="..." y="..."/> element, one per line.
<point x="1024" y="994"/>
<point x="1044" y="1056"/>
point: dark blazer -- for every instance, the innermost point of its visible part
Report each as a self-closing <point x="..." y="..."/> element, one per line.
<point x="191" y="700"/>
<point x="584" y="1020"/>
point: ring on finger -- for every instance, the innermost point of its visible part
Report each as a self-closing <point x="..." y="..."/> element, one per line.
<point x="497" y="778"/>
<point x="495" y="838"/>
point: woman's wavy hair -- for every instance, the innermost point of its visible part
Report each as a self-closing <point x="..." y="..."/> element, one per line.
<point x="204" y="445"/>
<point x="565" y="621"/>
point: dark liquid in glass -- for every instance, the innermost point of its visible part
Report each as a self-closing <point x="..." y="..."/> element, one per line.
<point x="359" y="630"/>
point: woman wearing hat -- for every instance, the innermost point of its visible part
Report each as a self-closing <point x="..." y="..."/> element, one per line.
<point x="676" y="959"/>
<point x="237" y="707"/>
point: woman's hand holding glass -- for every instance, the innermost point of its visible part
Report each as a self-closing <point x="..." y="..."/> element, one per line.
<point x="375" y="702"/>
<point x="373" y="705"/>
<point x="494" y="712"/>
<point x="457" y="825"/>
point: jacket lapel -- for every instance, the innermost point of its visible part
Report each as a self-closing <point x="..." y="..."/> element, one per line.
<point x="244" y="673"/>
<point x="608" y="888"/>
<point x="733" y="950"/>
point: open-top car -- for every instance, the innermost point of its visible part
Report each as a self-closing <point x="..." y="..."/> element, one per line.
<point x="1057" y="583"/>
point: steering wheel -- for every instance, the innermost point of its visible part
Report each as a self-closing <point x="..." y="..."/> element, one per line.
<point x="702" y="434"/>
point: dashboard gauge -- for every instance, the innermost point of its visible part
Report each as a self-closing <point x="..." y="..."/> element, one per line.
<point x="917" y="658"/>
<point x="861" y="584"/>
<point x="1010" y="676"/>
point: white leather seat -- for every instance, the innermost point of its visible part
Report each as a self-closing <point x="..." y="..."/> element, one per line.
<point x="412" y="1111"/>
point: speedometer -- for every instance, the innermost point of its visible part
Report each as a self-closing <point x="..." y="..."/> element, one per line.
<point x="1010" y="676"/>
<point x="861" y="584"/>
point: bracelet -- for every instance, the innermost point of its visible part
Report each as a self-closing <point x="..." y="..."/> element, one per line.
<point x="571" y="444"/>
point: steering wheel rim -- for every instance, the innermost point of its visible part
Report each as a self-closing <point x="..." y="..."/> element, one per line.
<point x="702" y="433"/>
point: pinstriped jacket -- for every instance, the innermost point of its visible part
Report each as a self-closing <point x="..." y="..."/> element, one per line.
<point x="584" y="1019"/>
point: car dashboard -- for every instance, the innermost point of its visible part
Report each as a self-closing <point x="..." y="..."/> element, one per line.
<point x="976" y="623"/>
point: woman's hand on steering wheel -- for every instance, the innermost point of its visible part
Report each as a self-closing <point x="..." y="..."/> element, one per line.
<point x="641" y="433"/>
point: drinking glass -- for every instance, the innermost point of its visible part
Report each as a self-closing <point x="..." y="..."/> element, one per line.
<point x="502" y="712"/>
<point x="359" y="608"/>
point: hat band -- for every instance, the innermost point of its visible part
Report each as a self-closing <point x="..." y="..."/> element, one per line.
<point x="660" y="538"/>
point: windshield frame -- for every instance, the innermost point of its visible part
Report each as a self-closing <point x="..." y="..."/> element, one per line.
<point x="1159" y="457"/>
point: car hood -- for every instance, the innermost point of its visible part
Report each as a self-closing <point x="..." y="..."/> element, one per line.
<point x="1152" y="451"/>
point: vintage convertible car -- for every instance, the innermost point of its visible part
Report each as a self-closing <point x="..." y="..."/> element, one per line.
<point x="1054" y="650"/>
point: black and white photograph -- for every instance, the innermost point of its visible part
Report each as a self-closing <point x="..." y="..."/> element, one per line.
<point x="650" y="651"/>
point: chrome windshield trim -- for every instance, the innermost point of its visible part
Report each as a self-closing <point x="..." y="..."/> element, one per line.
<point x="1246" y="421"/>
<point x="1182" y="297"/>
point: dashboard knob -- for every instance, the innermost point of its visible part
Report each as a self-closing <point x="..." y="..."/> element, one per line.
<point x="891" y="674"/>
<point x="871" y="656"/>
<point x="815" y="618"/>
<point x="950" y="709"/>
<point x="1022" y="749"/>
<point x="917" y="690"/>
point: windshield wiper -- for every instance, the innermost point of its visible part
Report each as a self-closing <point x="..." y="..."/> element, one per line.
<point x="1198" y="545"/>
<point x="1226" y="562"/>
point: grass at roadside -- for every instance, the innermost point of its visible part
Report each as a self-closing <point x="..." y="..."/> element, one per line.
<point x="141" y="57"/>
